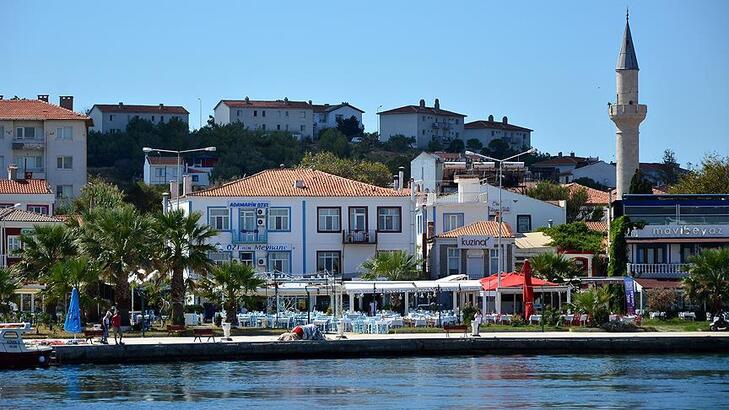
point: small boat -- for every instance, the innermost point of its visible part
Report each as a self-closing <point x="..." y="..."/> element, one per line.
<point x="15" y="353"/>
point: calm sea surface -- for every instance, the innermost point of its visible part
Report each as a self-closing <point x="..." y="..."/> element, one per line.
<point x="663" y="382"/>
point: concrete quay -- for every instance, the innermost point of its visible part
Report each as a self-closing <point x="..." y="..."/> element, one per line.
<point x="171" y="349"/>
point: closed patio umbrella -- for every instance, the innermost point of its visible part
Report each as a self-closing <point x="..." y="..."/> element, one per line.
<point x="73" y="317"/>
<point x="528" y="290"/>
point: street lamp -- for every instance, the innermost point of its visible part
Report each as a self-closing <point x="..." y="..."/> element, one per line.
<point x="501" y="215"/>
<point x="147" y="150"/>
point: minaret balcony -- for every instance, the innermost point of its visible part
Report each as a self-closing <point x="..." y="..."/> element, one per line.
<point x="637" y="112"/>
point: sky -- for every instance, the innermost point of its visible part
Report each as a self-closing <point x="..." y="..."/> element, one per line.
<point x="547" y="65"/>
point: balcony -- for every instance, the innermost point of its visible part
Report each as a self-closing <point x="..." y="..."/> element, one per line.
<point x="29" y="144"/>
<point x="359" y="237"/>
<point x="658" y="270"/>
<point x="254" y="236"/>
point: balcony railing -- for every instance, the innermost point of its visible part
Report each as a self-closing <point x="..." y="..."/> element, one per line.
<point x="658" y="270"/>
<point x="31" y="144"/>
<point x="254" y="236"/>
<point x="359" y="237"/>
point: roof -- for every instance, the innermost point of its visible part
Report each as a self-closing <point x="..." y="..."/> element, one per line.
<point x="482" y="228"/>
<point x="531" y="240"/>
<point x="511" y="280"/>
<point x="36" y="110"/>
<point x="248" y="103"/>
<point x="597" y="226"/>
<point x="160" y="108"/>
<point x="416" y="109"/>
<point x="499" y="125"/>
<point x="594" y="196"/>
<point x="659" y="284"/>
<point x="627" y="59"/>
<point x="19" y="215"/>
<point x="328" y="108"/>
<point x="563" y="160"/>
<point x="455" y="156"/>
<point x="281" y="182"/>
<point x="24" y="186"/>
<point x="153" y="160"/>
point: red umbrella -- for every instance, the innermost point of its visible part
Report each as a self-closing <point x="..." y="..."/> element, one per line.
<point x="528" y="291"/>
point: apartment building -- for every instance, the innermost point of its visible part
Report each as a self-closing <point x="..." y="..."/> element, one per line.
<point x="423" y="123"/>
<point x="296" y="117"/>
<point x="45" y="141"/>
<point x="486" y="131"/>
<point x="113" y="118"/>
<point x="298" y="221"/>
<point x="328" y="116"/>
<point x="162" y="170"/>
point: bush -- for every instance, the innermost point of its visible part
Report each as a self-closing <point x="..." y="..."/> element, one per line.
<point x="469" y="312"/>
<point x="618" y="326"/>
<point x="661" y="300"/>
<point x="518" y="321"/>
<point x="551" y="317"/>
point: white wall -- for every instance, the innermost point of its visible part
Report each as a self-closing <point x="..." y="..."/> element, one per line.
<point x="424" y="170"/>
<point x="601" y="172"/>
<point x="398" y="124"/>
<point x="275" y="119"/>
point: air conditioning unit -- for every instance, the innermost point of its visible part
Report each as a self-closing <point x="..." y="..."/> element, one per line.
<point x="261" y="222"/>
<point x="261" y="211"/>
<point x="261" y="261"/>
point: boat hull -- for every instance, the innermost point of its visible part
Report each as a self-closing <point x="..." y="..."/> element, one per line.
<point x="25" y="360"/>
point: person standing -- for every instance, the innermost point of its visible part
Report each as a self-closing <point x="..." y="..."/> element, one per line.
<point x="105" y="323"/>
<point x="476" y="324"/>
<point x="116" y="324"/>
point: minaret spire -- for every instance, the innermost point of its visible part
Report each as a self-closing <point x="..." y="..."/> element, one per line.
<point x="627" y="59"/>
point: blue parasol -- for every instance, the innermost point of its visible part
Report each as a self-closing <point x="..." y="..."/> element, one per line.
<point x="73" y="317"/>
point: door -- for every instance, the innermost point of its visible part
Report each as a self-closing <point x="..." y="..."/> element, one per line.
<point x="248" y="226"/>
<point x="474" y="264"/>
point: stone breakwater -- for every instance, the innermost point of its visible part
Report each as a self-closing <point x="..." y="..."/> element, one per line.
<point x="270" y="350"/>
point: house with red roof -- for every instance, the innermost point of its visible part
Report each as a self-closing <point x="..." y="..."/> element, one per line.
<point x="13" y="223"/>
<point x="114" y="118"/>
<point x="163" y="170"/>
<point x="423" y="123"/>
<point x="32" y="195"/>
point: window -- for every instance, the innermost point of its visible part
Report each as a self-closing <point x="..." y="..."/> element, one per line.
<point x="34" y="163"/>
<point x="302" y="114"/>
<point x="64" y="191"/>
<point x="39" y="209"/>
<point x="263" y="113"/>
<point x="279" y="219"/>
<point x="523" y="223"/>
<point x="419" y="224"/>
<point x="2" y="132"/>
<point x="263" y="127"/>
<point x="279" y="262"/>
<point x="358" y="218"/>
<point x="651" y="253"/>
<point x="494" y="260"/>
<point x="287" y="113"/>
<point x="278" y="127"/>
<point x="219" y="218"/>
<point x="196" y="178"/>
<point x="302" y="127"/>
<point x="13" y="244"/>
<point x="159" y="172"/>
<point x="452" y="221"/>
<point x="328" y="261"/>
<point x="329" y="219"/>
<point x="111" y="117"/>
<point x="161" y="118"/>
<point x="246" y="257"/>
<point x="64" y="162"/>
<point x="454" y="260"/>
<point x="25" y="133"/>
<point x="338" y="117"/>
<point x="2" y="162"/>
<point x="255" y="113"/>
<point x="237" y="113"/>
<point x="220" y="257"/>
<point x="287" y="127"/>
<point x="388" y="219"/>
<point x="153" y="118"/>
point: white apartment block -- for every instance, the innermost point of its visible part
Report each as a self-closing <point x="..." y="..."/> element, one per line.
<point x="303" y="221"/>
<point x="486" y="131"/>
<point x="114" y="118"/>
<point x="45" y="141"/>
<point x="163" y="170"/>
<point x="424" y="123"/>
<point x="327" y="116"/>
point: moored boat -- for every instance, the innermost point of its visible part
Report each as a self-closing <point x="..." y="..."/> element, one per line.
<point x="15" y="353"/>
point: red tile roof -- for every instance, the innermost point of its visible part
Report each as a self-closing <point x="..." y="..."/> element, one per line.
<point x="24" y="186"/>
<point x="280" y="182"/>
<point x="416" y="109"/>
<point x="594" y="196"/>
<point x="36" y="110"/>
<point x="164" y="160"/>
<point x="659" y="284"/>
<point x="597" y="226"/>
<point x="132" y="108"/>
<point x="483" y="228"/>
<point x="19" y="215"/>
<point x="327" y="107"/>
<point x="483" y="124"/>
<point x="267" y="104"/>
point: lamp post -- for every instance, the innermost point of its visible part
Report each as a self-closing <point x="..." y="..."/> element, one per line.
<point x="179" y="153"/>
<point x="501" y="215"/>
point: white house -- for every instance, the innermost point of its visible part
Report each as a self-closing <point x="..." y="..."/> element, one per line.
<point x="113" y="118"/>
<point x="326" y="116"/>
<point x="425" y="124"/>
<point x="304" y="221"/>
<point x="33" y="195"/>
<point x="600" y="172"/>
<point x="489" y="130"/>
<point x="162" y="170"/>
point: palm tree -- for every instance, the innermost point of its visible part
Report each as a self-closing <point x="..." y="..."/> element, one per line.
<point x="595" y="302"/>
<point x="392" y="266"/>
<point x="72" y="273"/>
<point x="119" y="242"/>
<point x="554" y="267"/>
<point x="228" y="283"/>
<point x="43" y="248"/>
<point x="185" y="245"/>
<point x="8" y="285"/>
<point x="708" y="278"/>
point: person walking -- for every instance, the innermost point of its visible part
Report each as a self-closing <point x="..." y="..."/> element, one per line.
<point x="116" y="324"/>
<point x="105" y="323"/>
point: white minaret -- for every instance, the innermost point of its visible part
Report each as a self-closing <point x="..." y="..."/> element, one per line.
<point x="626" y="113"/>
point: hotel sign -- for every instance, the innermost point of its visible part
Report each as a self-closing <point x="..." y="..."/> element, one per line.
<point x="681" y="231"/>
<point x="475" y="242"/>
<point x="256" y="247"/>
<point x="248" y="205"/>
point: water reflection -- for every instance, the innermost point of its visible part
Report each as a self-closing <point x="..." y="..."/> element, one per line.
<point x="511" y="381"/>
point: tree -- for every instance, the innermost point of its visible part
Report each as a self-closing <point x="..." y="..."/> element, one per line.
<point x="97" y="194"/>
<point x="554" y="267"/>
<point x="456" y="146"/>
<point x="712" y="178"/>
<point x="708" y="278"/>
<point x="399" y="143"/>
<point x="575" y="236"/>
<point x="595" y="303"/>
<point x="396" y="265"/>
<point x="374" y="173"/>
<point x="639" y="184"/>
<point x="435" y="145"/>
<point x="228" y="283"/>
<point x="576" y="199"/>
<point x="473" y="144"/>
<point x="119" y="242"/>
<point x="498" y="148"/>
<point x="670" y="169"/>
<point x="9" y="283"/>
<point x="146" y="198"/>
<point x="661" y="300"/>
<point x="548" y="191"/>
<point x="42" y="248"/>
<point x="72" y="273"/>
<point x="332" y="140"/>
<point x="184" y="245"/>
<point x="350" y="127"/>
<point x="576" y="203"/>
<point x="618" y="252"/>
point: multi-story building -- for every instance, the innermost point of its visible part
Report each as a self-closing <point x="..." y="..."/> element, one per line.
<point x="296" y="117"/>
<point x="304" y="221"/>
<point x="163" y="170"/>
<point x="327" y="116"/>
<point x="676" y="227"/>
<point x="486" y="131"/>
<point x="113" y="118"/>
<point x="45" y="141"/>
<point x="32" y="195"/>
<point x="425" y="124"/>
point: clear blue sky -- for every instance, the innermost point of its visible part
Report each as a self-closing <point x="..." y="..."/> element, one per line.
<point x="547" y="65"/>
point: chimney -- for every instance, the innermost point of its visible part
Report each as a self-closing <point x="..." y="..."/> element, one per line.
<point x="12" y="172"/>
<point x="395" y="183"/>
<point x="121" y="104"/>
<point x="572" y="154"/>
<point x="559" y="154"/>
<point x="401" y="177"/>
<point x="422" y="103"/>
<point x="299" y="183"/>
<point x="468" y="188"/>
<point x="43" y="97"/>
<point x="161" y="106"/>
<point x="247" y="99"/>
<point x="286" y="100"/>
<point x="186" y="184"/>
<point x="174" y="188"/>
<point x="491" y="118"/>
<point x="505" y="120"/>
<point x="437" y="104"/>
<point x="165" y="202"/>
<point x="66" y="101"/>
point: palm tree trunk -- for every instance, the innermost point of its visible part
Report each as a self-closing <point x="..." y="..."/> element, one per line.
<point x="122" y="297"/>
<point x="178" y="297"/>
<point x="230" y="310"/>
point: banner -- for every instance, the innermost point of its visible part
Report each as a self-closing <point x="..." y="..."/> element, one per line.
<point x="629" y="295"/>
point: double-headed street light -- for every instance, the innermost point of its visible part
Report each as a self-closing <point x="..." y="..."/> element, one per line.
<point x="179" y="153"/>
<point x="501" y="216"/>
